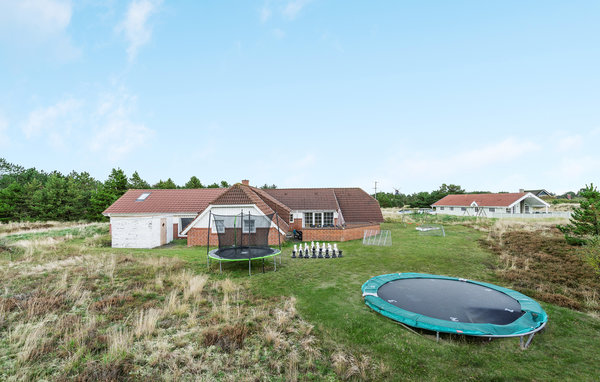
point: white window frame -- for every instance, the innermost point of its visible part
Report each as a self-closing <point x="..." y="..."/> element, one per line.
<point x="291" y="218"/>
<point x="220" y="225"/>
<point x="249" y="228"/>
<point x="325" y="220"/>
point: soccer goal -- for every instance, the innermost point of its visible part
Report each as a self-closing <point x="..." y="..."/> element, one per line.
<point x="431" y="230"/>
<point x="377" y="237"/>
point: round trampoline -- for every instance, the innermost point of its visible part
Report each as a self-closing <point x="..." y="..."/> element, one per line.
<point x="451" y="305"/>
<point x="243" y="253"/>
<point x="243" y="237"/>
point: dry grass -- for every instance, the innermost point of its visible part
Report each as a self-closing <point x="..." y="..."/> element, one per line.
<point x="78" y="312"/>
<point x="536" y="259"/>
<point x="146" y="322"/>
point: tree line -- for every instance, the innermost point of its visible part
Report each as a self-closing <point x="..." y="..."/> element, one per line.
<point x="34" y="195"/>
<point x="422" y="199"/>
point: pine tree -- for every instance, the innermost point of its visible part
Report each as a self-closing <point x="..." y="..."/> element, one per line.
<point x="194" y="182"/>
<point x="584" y="224"/>
<point x="137" y="182"/>
<point x="166" y="184"/>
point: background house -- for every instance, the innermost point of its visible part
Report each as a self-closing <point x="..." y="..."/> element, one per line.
<point x="489" y="204"/>
<point x="150" y="218"/>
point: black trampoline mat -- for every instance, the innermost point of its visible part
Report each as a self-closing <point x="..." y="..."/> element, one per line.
<point x="244" y="253"/>
<point x="451" y="300"/>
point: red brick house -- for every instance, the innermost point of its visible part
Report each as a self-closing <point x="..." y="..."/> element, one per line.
<point x="321" y="214"/>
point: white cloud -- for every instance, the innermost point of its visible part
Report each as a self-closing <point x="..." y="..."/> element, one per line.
<point x="53" y="122"/>
<point x="116" y="134"/>
<point x="44" y="16"/>
<point x="502" y="152"/>
<point x="265" y="13"/>
<point x="294" y="7"/>
<point x="135" y="25"/>
<point x="41" y="27"/>
<point x="278" y="33"/>
<point x="569" y="143"/>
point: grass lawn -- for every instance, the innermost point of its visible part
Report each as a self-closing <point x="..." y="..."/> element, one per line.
<point x="350" y="340"/>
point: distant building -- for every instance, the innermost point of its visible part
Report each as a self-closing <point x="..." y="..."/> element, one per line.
<point x="482" y="204"/>
<point x="538" y="193"/>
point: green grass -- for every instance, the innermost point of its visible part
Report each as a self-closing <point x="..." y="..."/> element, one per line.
<point x="350" y="339"/>
<point x="329" y="296"/>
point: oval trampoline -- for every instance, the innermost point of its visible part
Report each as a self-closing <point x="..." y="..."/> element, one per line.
<point x="451" y="305"/>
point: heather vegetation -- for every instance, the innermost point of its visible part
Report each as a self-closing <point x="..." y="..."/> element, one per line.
<point x="72" y="308"/>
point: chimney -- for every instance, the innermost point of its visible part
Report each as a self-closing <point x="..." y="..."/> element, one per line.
<point x="521" y="190"/>
<point x="245" y="182"/>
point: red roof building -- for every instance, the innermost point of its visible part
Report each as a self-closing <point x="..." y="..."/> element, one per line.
<point x="486" y="204"/>
<point x="142" y="218"/>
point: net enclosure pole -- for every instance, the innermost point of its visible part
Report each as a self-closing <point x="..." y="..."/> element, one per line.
<point x="208" y="240"/>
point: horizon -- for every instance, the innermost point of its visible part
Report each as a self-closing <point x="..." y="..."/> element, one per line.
<point x="306" y="93"/>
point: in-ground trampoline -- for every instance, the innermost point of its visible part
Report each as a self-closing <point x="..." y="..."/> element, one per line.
<point x="451" y="305"/>
<point x="242" y="237"/>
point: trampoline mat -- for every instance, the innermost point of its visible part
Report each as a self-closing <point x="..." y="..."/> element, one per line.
<point x="244" y="253"/>
<point x="451" y="300"/>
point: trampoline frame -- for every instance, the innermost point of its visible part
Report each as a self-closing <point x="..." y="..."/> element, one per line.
<point x="531" y="308"/>
<point x="213" y="254"/>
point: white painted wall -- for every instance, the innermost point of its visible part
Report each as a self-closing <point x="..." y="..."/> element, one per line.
<point x="139" y="231"/>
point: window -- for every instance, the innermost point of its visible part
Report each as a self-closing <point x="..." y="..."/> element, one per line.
<point x="463" y="208"/>
<point x="291" y="218"/>
<point x="441" y="208"/>
<point x="451" y="208"/>
<point x="249" y="226"/>
<point x="184" y="223"/>
<point x="308" y="219"/>
<point x="318" y="219"/>
<point x="220" y="226"/>
<point x="142" y="197"/>
<point x="328" y="219"/>
<point x="508" y="211"/>
<point x="492" y="209"/>
<point x="476" y="209"/>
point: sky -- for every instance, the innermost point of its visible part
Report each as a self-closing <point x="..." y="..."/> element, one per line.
<point x="490" y="95"/>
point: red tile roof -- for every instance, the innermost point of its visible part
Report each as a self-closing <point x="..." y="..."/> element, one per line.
<point x="482" y="200"/>
<point x="243" y="194"/>
<point x="165" y="201"/>
<point x="355" y="204"/>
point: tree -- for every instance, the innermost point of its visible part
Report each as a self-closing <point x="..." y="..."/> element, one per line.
<point x="214" y="185"/>
<point x="194" y="182"/>
<point x="117" y="182"/>
<point x="224" y="184"/>
<point x="584" y="224"/>
<point x="137" y="182"/>
<point x="267" y="187"/>
<point x="166" y="184"/>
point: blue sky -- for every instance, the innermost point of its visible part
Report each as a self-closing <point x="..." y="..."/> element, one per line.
<point x="489" y="95"/>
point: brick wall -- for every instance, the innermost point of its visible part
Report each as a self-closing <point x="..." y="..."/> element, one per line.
<point x="197" y="236"/>
<point x="337" y="234"/>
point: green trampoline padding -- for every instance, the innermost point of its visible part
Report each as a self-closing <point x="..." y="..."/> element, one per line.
<point x="452" y="305"/>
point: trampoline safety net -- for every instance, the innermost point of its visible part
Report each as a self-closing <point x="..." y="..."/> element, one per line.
<point x="242" y="230"/>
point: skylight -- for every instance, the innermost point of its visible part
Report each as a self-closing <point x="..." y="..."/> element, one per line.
<point x="142" y="197"/>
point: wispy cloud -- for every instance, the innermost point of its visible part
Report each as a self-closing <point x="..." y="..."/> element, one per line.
<point x="265" y="12"/>
<point x="54" y="122"/>
<point x="45" y="16"/>
<point x="294" y="7"/>
<point x="116" y="134"/>
<point x="135" y="26"/>
<point x="38" y="23"/>
<point x="569" y="143"/>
